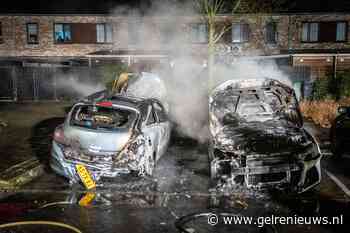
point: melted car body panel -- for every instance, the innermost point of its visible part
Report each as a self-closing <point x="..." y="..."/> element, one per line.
<point x="258" y="139"/>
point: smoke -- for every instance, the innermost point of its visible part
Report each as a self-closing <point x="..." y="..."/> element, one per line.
<point x="70" y="83"/>
<point x="186" y="82"/>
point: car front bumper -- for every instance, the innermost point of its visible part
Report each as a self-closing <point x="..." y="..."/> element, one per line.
<point x="268" y="172"/>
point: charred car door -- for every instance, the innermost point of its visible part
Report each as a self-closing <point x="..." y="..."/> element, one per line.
<point x="151" y="131"/>
<point x="164" y="128"/>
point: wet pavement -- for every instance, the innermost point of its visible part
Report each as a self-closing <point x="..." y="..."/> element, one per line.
<point x="180" y="187"/>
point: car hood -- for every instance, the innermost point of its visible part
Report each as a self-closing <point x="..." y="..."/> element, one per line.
<point x="98" y="141"/>
<point x="261" y="138"/>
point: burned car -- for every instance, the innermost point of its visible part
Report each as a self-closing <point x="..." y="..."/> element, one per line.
<point x="258" y="139"/>
<point x="113" y="136"/>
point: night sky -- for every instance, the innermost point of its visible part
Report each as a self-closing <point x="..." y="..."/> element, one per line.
<point x="104" y="6"/>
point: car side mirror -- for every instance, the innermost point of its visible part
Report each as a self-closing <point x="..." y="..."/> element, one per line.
<point x="342" y="110"/>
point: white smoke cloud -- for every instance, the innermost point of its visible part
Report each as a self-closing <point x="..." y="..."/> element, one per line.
<point x="187" y="82"/>
<point x="81" y="88"/>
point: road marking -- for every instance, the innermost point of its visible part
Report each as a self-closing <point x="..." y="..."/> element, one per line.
<point x="338" y="182"/>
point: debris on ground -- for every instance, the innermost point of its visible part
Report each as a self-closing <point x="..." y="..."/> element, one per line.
<point x="21" y="173"/>
<point x="3" y="124"/>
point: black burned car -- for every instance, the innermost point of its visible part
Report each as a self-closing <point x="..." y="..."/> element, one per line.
<point x="340" y="132"/>
<point x="258" y="139"/>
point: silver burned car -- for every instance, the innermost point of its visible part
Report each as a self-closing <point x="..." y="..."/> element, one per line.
<point x="116" y="135"/>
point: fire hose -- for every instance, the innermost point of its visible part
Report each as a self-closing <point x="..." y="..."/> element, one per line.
<point x="182" y="221"/>
<point x="50" y="223"/>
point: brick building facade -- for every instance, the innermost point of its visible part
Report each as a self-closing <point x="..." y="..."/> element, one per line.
<point x="255" y="35"/>
<point x="317" y="41"/>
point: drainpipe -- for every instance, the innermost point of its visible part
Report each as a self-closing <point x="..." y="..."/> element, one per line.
<point x="289" y="41"/>
<point x="289" y="33"/>
<point x="334" y="81"/>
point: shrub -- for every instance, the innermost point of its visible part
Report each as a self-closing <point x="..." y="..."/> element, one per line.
<point x="343" y="87"/>
<point x="330" y="88"/>
<point x="322" y="112"/>
<point x="322" y="89"/>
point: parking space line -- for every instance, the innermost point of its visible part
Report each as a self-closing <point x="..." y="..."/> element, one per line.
<point x="338" y="182"/>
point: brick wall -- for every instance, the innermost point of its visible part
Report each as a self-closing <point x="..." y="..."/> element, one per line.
<point x="289" y="34"/>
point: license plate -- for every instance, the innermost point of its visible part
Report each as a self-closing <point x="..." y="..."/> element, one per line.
<point x="85" y="176"/>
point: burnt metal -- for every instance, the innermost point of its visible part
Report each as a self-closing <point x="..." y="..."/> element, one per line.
<point x="257" y="137"/>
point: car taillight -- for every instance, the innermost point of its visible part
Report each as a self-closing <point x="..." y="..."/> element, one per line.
<point x="104" y="104"/>
<point x="59" y="136"/>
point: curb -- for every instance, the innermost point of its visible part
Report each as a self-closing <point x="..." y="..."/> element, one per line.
<point x="21" y="173"/>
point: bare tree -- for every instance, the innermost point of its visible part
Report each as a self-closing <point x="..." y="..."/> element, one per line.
<point x="211" y="9"/>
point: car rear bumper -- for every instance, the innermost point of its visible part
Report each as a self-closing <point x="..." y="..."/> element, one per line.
<point x="67" y="167"/>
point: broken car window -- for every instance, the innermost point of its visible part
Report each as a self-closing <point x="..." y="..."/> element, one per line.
<point x="160" y="112"/>
<point x="97" y="117"/>
<point x="151" y="117"/>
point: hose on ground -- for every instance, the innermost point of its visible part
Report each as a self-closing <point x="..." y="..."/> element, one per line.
<point x="56" y="203"/>
<point x="182" y="221"/>
<point x="50" y="223"/>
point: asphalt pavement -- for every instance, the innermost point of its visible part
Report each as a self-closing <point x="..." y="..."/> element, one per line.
<point x="179" y="192"/>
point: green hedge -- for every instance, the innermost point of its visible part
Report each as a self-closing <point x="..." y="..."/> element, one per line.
<point x="330" y="88"/>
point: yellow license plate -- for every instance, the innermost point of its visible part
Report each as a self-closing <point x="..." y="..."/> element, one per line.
<point x="85" y="176"/>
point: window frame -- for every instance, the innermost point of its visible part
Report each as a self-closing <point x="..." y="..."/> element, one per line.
<point x="135" y="31"/>
<point x="242" y="38"/>
<point x="308" y="32"/>
<point x="165" y="33"/>
<point x="346" y="32"/>
<point x="319" y="40"/>
<point x="192" y="25"/>
<point x="163" y="117"/>
<point x="105" y="25"/>
<point x="151" y="112"/>
<point x="37" y="33"/>
<point x="71" y="33"/>
<point x="273" y="24"/>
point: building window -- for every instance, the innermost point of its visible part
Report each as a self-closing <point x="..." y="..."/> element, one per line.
<point x="166" y="33"/>
<point x="134" y="31"/>
<point x="1" y="38"/>
<point x="199" y="33"/>
<point x="310" y="32"/>
<point x="32" y="33"/>
<point x="341" y="31"/>
<point x="104" y="33"/>
<point x="240" y="33"/>
<point x="271" y="33"/>
<point x="63" y="33"/>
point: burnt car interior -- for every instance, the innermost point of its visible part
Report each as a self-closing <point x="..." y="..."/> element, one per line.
<point x="98" y="117"/>
<point x="248" y="104"/>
